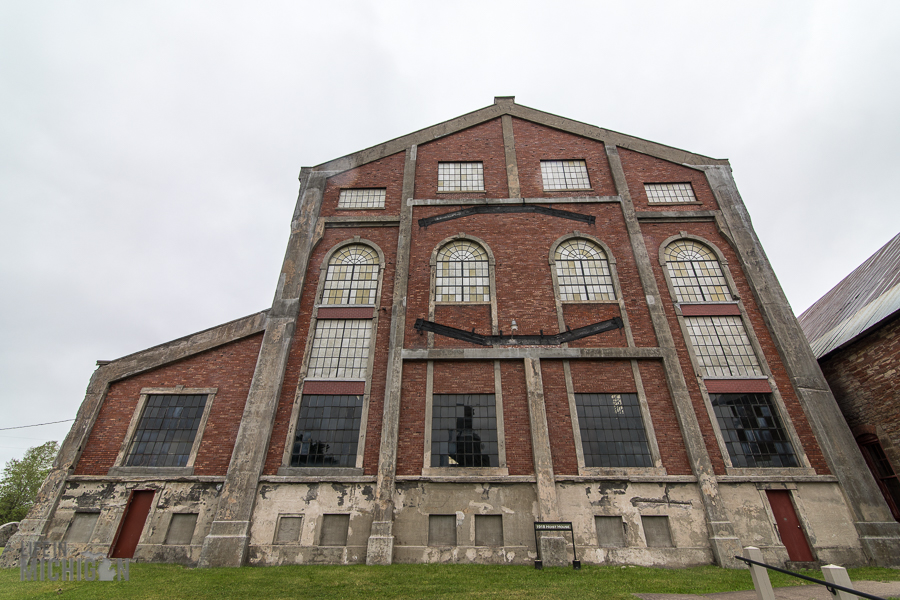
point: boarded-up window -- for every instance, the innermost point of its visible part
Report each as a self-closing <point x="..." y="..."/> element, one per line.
<point x="657" y="532"/>
<point x="181" y="528"/>
<point x="442" y="530"/>
<point x="334" y="530"/>
<point x="488" y="530"/>
<point x="610" y="532"/>
<point x="288" y="529"/>
<point x="81" y="528"/>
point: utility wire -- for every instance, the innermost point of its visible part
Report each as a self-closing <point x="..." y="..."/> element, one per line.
<point x="38" y="425"/>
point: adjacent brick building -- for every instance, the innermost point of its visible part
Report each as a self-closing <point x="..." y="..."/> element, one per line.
<point x="506" y="318"/>
<point x="854" y="331"/>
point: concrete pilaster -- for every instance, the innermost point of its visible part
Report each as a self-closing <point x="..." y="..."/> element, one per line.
<point x="226" y="544"/>
<point x="512" y="166"/>
<point x="381" y="540"/>
<point x="553" y="545"/>
<point x="878" y="532"/>
<point x="723" y="541"/>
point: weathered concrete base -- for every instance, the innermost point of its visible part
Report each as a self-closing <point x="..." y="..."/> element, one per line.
<point x="725" y="549"/>
<point x="380" y="550"/>
<point x="224" y="550"/>
<point x="883" y="550"/>
<point x="554" y="551"/>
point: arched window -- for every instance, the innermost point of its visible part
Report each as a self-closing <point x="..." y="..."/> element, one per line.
<point x="463" y="274"/>
<point x="352" y="276"/>
<point x="582" y="271"/>
<point x="695" y="272"/>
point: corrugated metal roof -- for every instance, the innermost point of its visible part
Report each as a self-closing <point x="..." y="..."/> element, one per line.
<point x="864" y="298"/>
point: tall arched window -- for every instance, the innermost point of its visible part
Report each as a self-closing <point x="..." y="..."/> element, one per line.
<point x="463" y="273"/>
<point x="695" y="272"/>
<point x="352" y="276"/>
<point x="582" y="271"/>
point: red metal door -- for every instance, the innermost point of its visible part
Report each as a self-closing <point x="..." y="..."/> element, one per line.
<point x="788" y="524"/>
<point x="132" y="524"/>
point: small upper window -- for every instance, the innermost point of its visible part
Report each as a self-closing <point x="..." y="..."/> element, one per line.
<point x="695" y="272"/>
<point x="463" y="273"/>
<point x="565" y="175"/>
<point x="582" y="272"/>
<point x="165" y="434"/>
<point x="669" y="192"/>
<point x="460" y="177"/>
<point x="352" y="276"/>
<point x="362" y="198"/>
<point x="340" y="349"/>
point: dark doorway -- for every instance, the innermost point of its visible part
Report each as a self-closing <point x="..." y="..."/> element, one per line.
<point x="132" y="524"/>
<point x="883" y="471"/>
<point x="788" y="524"/>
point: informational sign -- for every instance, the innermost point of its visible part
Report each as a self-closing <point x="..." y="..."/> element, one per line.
<point x="554" y="526"/>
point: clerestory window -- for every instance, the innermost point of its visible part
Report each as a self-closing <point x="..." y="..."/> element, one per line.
<point x="463" y="273"/>
<point x="722" y="347"/>
<point x="460" y="177"/>
<point x="582" y="272"/>
<point x="695" y="273"/>
<point x="352" y="276"/>
<point x="565" y="175"/>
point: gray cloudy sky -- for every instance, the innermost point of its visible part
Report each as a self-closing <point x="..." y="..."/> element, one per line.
<point x="149" y="151"/>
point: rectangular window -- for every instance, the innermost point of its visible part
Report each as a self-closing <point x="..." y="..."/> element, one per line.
<point x="752" y="431"/>
<point x="671" y="193"/>
<point x="362" y="198"/>
<point x="81" y="528"/>
<point x="610" y="532"/>
<point x="488" y="530"/>
<point x="334" y="530"/>
<point x="612" y="431"/>
<point x="288" y="529"/>
<point x="460" y="177"/>
<point x="350" y="284"/>
<point x="327" y="433"/>
<point x="165" y="434"/>
<point x="565" y="175"/>
<point x="441" y="530"/>
<point x="464" y="431"/>
<point x="657" y="532"/>
<point x="722" y="347"/>
<point x="340" y="349"/>
<point x="181" y="529"/>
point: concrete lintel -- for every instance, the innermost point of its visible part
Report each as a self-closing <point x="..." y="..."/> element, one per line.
<point x="362" y="221"/>
<point x="538" y="352"/>
<point x="490" y="201"/>
<point x="468" y="479"/>
<point x="777" y="479"/>
<point x="629" y="478"/>
<point x="146" y="478"/>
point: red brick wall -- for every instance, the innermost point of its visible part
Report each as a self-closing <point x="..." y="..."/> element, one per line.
<point x="665" y="424"/>
<point x="581" y="315"/>
<point x="865" y="379"/>
<point x="482" y="143"/>
<point x="411" y="428"/>
<point x="535" y="143"/>
<point x="654" y="236"/>
<point x="460" y="316"/>
<point x="559" y="419"/>
<point x="641" y="169"/>
<point x="385" y="173"/>
<point x="386" y="239"/>
<point x="516" y="423"/>
<point x="228" y="368"/>
<point x="521" y="246"/>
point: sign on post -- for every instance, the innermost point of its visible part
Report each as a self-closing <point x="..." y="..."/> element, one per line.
<point x="554" y="526"/>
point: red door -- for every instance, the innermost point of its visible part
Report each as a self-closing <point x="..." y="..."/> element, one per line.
<point x="132" y="524"/>
<point x="788" y="524"/>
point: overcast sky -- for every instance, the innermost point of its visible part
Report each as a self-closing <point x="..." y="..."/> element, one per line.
<point x="149" y="151"/>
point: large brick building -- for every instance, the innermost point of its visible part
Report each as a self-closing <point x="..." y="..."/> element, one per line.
<point x="505" y="318"/>
<point x="854" y="331"/>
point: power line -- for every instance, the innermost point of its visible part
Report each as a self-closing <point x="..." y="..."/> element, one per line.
<point x="38" y="425"/>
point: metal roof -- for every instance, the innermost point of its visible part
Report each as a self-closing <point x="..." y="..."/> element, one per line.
<point x="864" y="298"/>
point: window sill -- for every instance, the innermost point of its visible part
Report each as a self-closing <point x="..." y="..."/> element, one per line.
<point x="620" y="471"/>
<point x="769" y="472"/>
<point x="673" y="203"/>
<point x="127" y="471"/>
<point x="465" y="471"/>
<point x="360" y="208"/>
<point x="546" y="191"/>
<point x="319" y="472"/>
<point x="461" y="192"/>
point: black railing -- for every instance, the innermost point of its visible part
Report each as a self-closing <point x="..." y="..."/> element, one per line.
<point x="831" y="587"/>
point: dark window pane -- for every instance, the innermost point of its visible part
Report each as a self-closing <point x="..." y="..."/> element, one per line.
<point x="162" y="422"/>
<point x="326" y="434"/>
<point x="617" y="438"/>
<point x="466" y="425"/>
<point x="752" y="431"/>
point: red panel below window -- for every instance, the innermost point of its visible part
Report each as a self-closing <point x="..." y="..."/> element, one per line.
<point x="346" y="312"/>
<point x="737" y="386"/>
<point x="335" y="388"/>
<point x="710" y="310"/>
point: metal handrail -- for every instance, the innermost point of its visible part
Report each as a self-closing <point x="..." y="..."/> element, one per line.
<point x="828" y="586"/>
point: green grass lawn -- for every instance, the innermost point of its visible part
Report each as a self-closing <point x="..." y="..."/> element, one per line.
<point x="171" y="582"/>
